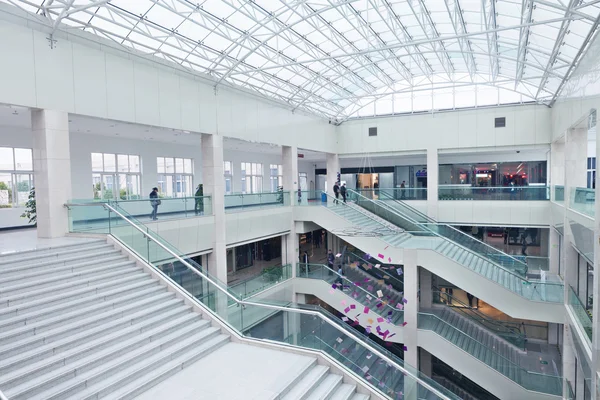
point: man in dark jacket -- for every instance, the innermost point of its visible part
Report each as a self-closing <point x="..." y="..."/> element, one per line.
<point x="343" y="191"/>
<point x="154" y="202"/>
<point x="330" y="261"/>
<point x="336" y="191"/>
<point x="199" y="203"/>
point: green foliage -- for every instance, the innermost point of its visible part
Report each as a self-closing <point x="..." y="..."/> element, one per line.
<point x="30" y="208"/>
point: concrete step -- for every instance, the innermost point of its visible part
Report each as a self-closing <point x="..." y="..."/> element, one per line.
<point x="57" y="258"/>
<point x="45" y="251"/>
<point x="308" y="382"/>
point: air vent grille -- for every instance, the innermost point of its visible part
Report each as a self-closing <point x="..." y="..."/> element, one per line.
<point x="500" y="122"/>
<point x="373" y="131"/>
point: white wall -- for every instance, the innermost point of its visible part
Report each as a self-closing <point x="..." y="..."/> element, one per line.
<point x="85" y="74"/>
<point x="525" y="125"/>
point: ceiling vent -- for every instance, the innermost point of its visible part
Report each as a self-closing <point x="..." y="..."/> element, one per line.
<point x="373" y="131"/>
<point x="500" y="122"/>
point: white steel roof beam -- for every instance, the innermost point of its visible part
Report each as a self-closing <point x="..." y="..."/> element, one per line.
<point x="428" y="27"/>
<point x="489" y="18"/>
<point x="526" y="15"/>
<point x="564" y="29"/>
<point x="455" y="14"/>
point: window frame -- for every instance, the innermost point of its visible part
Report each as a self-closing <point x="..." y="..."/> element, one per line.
<point x="181" y="182"/>
<point x="15" y="175"/>
<point x="113" y="180"/>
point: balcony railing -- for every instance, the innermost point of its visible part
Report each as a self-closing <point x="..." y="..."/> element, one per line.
<point x="518" y="193"/>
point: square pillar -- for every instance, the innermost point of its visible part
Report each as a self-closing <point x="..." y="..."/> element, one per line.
<point x="411" y="309"/>
<point x="214" y="186"/>
<point x="432" y="182"/>
<point x="553" y="251"/>
<point x="289" y="254"/>
<point x="595" y="291"/>
<point x="52" y="171"/>
<point x="425" y="292"/>
<point x="333" y="167"/>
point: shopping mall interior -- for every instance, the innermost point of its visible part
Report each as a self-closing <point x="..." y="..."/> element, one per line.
<point x="343" y="199"/>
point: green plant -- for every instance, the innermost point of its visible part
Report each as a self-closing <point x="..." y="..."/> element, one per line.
<point x="30" y="208"/>
<point x="272" y="274"/>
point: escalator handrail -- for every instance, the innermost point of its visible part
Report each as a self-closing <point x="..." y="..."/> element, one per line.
<point x="434" y="222"/>
<point x="392" y="210"/>
<point x="150" y="236"/>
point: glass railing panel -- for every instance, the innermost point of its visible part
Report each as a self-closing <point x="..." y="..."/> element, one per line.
<point x="583" y="200"/>
<point x="581" y="314"/>
<point x="549" y="384"/>
<point x="468" y="192"/>
<point x="559" y="193"/>
<point x="368" y="292"/>
<point x="395" y="193"/>
<point x="390" y="198"/>
<point x="509" y="331"/>
<point x="241" y="201"/>
<point x="88" y="219"/>
<point x="267" y="278"/>
<point x="167" y="207"/>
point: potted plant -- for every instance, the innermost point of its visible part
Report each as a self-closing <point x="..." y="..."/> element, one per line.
<point x="30" y="208"/>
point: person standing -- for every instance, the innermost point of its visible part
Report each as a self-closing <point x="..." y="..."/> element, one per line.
<point x="403" y="190"/>
<point x="330" y="261"/>
<point x="336" y="191"/>
<point x="343" y="191"/>
<point x="299" y="195"/>
<point x="199" y="201"/>
<point x="154" y="202"/>
<point x="304" y="259"/>
<point x="339" y="279"/>
<point x="470" y="298"/>
<point x="523" y="245"/>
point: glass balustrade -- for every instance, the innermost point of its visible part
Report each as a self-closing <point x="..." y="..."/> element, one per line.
<point x="267" y="278"/>
<point x="244" y="201"/>
<point x="395" y="193"/>
<point x="512" y="332"/>
<point x="581" y="314"/>
<point x="559" y="193"/>
<point x="517" y="193"/>
<point x="503" y="268"/>
<point x="542" y="383"/>
<point x="299" y="327"/>
<point x="94" y="220"/>
<point x="583" y="200"/>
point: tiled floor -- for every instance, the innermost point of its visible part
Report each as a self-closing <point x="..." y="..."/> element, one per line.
<point x="26" y="239"/>
<point x="234" y="371"/>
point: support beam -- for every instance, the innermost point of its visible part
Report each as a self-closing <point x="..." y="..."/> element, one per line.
<point x="289" y="157"/>
<point x="432" y="182"/>
<point x="214" y="186"/>
<point x="52" y="171"/>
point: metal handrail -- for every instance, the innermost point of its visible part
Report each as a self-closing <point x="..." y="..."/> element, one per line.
<point x="2" y="396"/>
<point x="361" y="211"/>
<point x="434" y="222"/>
<point x="271" y="306"/>
<point x="445" y="238"/>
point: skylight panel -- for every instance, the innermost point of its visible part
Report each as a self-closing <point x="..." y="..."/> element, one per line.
<point x="193" y="30"/>
<point x="136" y="7"/>
<point x="164" y="17"/>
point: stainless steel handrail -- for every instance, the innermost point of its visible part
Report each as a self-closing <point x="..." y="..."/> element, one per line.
<point x="2" y="396"/>
<point x="271" y="306"/>
<point x="434" y="222"/>
<point x="445" y="238"/>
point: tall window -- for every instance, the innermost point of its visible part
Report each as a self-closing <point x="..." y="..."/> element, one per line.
<point x="228" y="174"/>
<point x="175" y="176"/>
<point x="16" y="176"/>
<point x="276" y="176"/>
<point x="116" y="176"/>
<point x="252" y="176"/>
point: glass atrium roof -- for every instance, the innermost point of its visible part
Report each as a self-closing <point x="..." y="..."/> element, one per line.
<point x="354" y="58"/>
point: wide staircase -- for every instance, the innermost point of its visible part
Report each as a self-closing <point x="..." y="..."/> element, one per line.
<point x="84" y="321"/>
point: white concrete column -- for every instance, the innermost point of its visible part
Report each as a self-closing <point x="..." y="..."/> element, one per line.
<point x="411" y="309"/>
<point x="52" y="171"/>
<point x="553" y="251"/>
<point x="214" y="186"/>
<point x="595" y="290"/>
<point x="289" y="155"/>
<point x="432" y="182"/>
<point x="333" y="167"/>
<point x="425" y="282"/>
